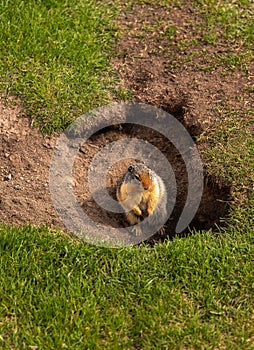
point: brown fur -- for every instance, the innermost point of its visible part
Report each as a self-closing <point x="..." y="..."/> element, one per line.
<point x="152" y="202"/>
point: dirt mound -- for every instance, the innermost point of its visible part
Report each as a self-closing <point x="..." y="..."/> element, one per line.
<point x="190" y="94"/>
<point x="25" y="162"/>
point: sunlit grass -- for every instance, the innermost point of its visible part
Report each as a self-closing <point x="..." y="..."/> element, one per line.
<point x="187" y="293"/>
<point x="190" y="293"/>
<point x="55" y="56"/>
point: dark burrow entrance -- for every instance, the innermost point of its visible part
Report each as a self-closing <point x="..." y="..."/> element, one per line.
<point x="214" y="205"/>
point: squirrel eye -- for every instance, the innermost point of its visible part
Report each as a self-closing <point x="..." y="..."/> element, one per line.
<point x="130" y="169"/>
<point x="137" y="177"/>
<point x="145" y="188"/>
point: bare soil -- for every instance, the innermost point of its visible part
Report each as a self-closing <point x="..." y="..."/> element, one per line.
<point x="187" y="92"/>
<point x="24" y="170"/>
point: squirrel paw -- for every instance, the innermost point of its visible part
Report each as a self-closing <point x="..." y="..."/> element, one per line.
<point x="137" y="230"/>
<point x="161" y="231"/>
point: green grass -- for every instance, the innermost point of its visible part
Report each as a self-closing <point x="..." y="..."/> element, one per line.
<point x="231" y="152"/>
<point x="55" y="56"/>
<point x="231" y="20"/>
<point x="192" y="293"/>
<point x="228" y="24"/>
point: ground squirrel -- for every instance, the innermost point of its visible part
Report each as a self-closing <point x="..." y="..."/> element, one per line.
<point x="142" y="194"/>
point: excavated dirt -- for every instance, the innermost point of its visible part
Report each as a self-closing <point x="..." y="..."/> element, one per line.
<point x="188" y="93"/>
<point x="24" y="171"/>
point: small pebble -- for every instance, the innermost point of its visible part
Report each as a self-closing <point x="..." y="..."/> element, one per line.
<point x="17" y="187"/>
<point x="8" y="177"/>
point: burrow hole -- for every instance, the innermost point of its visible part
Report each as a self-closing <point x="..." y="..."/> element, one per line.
<point x="215" y="200"/>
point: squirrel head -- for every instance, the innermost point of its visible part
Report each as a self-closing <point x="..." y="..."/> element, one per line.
<point x="141" y="173"/>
